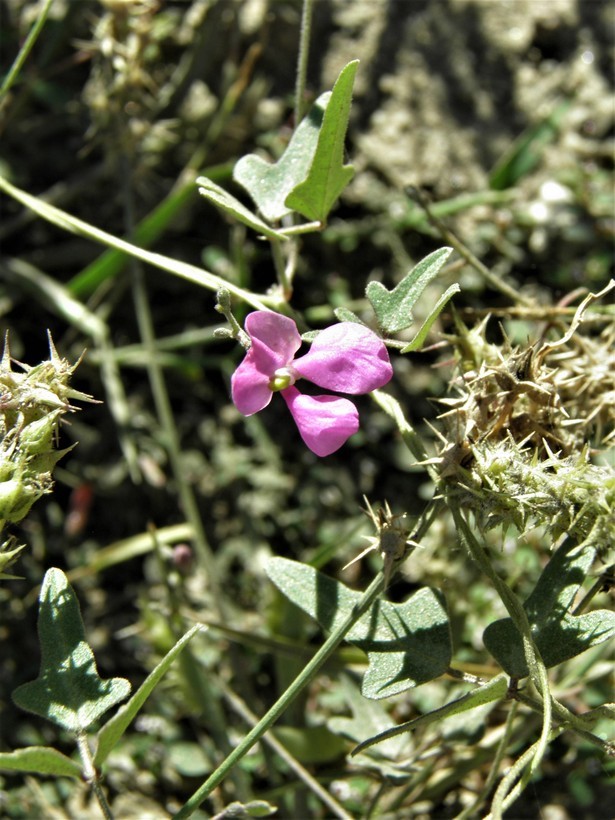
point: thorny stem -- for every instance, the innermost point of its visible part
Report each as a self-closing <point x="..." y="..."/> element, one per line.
<point x="91" y="775"/>
<point x="280" y="706"/>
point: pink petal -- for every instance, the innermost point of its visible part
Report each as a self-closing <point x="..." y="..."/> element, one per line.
<point x="277" y="334"/>
<point x="275" y="340"/>
<point x="249" y="387"/>
<point x="347" y="357"/>
<point x="325" y="422"/>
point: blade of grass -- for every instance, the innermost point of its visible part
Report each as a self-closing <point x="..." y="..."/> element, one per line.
<point x="25" y="50"/>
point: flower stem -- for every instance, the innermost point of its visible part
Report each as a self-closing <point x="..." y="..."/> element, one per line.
<point x="302" y="62"/>
<point x="297" y="686"/>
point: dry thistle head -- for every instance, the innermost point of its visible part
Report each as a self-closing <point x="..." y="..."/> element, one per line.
<point x="33" y="401"/>
<point x="391" y="538"/>
<point x="521" y="435"/>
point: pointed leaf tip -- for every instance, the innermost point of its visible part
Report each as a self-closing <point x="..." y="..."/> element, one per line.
<point x="393" y="308"/>
<point x="328" y="176"/>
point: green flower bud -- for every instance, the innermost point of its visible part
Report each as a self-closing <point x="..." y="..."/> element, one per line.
<point x="37" y="437"/>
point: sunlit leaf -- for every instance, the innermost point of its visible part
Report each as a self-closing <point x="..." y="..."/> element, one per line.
<point x="393" y="308"/>
<point x="40" y="760"/>
<point x="270" y="183"/>
<point x="406" y="644"/>
<point x="68" y="690"/>
<point x="559" y="635"/>
<point x="437" y="309"/>
<point x="328" y="176"/>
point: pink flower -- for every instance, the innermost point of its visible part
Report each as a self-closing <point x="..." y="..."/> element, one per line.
<point x="346" y="357"/>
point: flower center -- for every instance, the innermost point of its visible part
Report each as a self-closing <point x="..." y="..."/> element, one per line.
<point x="282" y="378"/>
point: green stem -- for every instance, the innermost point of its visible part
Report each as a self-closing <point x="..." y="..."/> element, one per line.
<point x="280" y="268"/>
<point x="302" y="62"/>
<point x="91" y="775"/>
<point x="25" y="49"/>
<point x="505" y="796"/>
<point x="323" y="795"/>
<point x="536" y="667"/>
<point x="296" y="687"/>
<point x="182" y="269"/>
<point x="466" y="253"/>
<point x="471" y="811"/>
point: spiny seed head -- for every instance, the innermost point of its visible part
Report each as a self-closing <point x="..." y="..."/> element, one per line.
<point x="522" y="431"/>
<point x="33" y="401"/>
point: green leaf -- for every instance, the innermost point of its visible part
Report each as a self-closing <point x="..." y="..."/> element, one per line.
<point x="328" y="176"/>
<point x="342" y="314"/>
<point x="420" y="337"/>
<point x="526" y="151"/>
<point x="227" y="203"/>
<point x="393" y="308"/>
<point x="40" y="759"/>
<point x="68" y="690"/>
<point x="559" y="635"/>
<point x="113" y="730"/>
<point x="244" y="811"/>
<point x="489" y="692"/>
<point x="406" y="644"/>
<point x="269" y="184"/>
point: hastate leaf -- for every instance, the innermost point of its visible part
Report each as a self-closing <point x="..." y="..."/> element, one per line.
<point x="328" y="176"/>
<point x="270" y="183"/>
<point x="68" y="690"/>
<point x="406" y="644"/>
<point x="393" y="308"/>
<point x="559" y="635"/>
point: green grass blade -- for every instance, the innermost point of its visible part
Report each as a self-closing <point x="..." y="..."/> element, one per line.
<point x="113" y="730"/>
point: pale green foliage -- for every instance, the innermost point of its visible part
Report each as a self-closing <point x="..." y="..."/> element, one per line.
<point x="407" y="644"/>
<point x="68" y="690"/>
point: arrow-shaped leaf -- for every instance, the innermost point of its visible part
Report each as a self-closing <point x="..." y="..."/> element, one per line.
<point x="68" y="690"/>
<point x="393" y="308"/>
<point x="270" y="183"/>
<point x="406" y="644"/>
<point x="559" y="636"/>
<point x="328" y="176"/>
